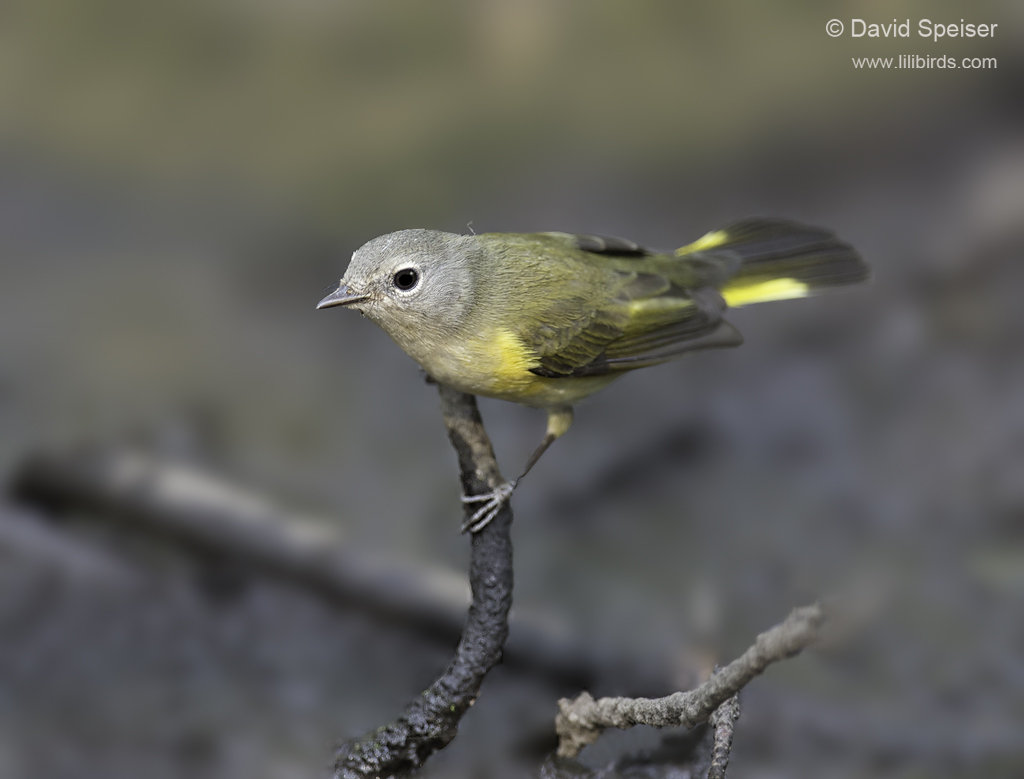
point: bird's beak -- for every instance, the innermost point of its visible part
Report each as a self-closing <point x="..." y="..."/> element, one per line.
<point x="342" y="296"/>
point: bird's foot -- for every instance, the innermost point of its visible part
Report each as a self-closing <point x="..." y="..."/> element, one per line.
<point x="493" y="501"/>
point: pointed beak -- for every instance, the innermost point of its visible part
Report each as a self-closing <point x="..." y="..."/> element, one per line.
<point x="342" y="296"/>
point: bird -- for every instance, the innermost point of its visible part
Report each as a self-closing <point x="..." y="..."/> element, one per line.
<point x="546" y="319"/>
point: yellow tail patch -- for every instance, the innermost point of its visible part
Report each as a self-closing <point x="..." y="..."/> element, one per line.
<point x="709" y="241"/>
<point x="743" y="292"/>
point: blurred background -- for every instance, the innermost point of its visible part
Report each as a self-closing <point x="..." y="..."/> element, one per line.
<point x="181" y="181"/>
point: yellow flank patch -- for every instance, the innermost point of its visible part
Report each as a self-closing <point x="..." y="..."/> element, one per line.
<point x="709" y="241"/>
<point x="740" y="293"/>
<point x="509" y="353"/>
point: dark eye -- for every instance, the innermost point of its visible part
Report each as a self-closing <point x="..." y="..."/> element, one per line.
<point x="406" y="278"/>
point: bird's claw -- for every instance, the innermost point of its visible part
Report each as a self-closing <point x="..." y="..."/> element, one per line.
<point x="493" y="501"/>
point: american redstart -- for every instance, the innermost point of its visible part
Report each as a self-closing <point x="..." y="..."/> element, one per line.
<point x="546" y="319"/>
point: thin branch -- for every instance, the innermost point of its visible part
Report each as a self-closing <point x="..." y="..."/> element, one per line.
<point x="581" y="721"/>
<point x="431" y="721"/>
<point x="723" y="721"/>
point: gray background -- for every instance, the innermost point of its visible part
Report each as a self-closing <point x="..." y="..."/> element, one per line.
<point x="178" y="183"/>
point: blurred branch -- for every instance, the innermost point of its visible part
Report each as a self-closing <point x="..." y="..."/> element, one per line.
<point x="581" y="720"/>
<point x="29" y="536"/>
<point x="207" y="514"/>
<point x="431" y="720"/>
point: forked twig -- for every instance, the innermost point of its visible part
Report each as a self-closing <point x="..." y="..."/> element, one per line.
<point x="580" y="721"/>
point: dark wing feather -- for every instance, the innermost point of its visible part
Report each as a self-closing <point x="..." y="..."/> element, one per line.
<point x="646" y="321"/>
<point x="564" y="351"/>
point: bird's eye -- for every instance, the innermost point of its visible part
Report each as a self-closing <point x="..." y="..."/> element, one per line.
<point x="406" y="279"/>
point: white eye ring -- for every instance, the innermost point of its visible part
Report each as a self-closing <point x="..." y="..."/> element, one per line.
<point x="406" y="279"/>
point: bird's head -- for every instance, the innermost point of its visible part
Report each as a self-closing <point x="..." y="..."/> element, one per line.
<point x="415" y="284"/>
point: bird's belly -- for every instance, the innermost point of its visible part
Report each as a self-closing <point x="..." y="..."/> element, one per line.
<point x="499" y="367"/>
<point x="529" y="389"/>
<point x="545" y="392"/>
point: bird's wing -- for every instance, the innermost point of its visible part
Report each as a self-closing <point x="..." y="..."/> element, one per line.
<point x="647" y="317"/>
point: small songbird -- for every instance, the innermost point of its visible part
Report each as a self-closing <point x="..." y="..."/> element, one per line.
<point x="546" y="319"/>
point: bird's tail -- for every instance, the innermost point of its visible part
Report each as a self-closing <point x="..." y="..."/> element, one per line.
<point x="774" y="259"/>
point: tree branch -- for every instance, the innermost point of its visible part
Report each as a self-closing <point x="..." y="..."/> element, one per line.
<point x="581" y="720"/>
<point x="723" y="721"/>
<point x="431" y="721"/>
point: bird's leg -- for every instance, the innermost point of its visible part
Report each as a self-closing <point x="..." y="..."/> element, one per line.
<point x="494" y="500"/>
<point x="558" y="422"/>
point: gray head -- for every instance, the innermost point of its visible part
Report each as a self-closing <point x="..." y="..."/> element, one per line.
<point x="413" y="283"/>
